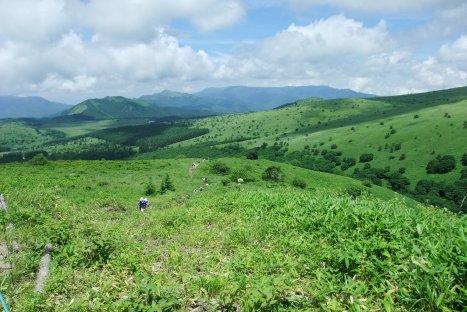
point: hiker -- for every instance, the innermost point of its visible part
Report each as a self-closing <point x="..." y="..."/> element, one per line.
<point x="2" y="202"/>
<point x="205" y="180"/>
<point x="195" y="190"/>
<point x="201" y="189"/>
<point x="143" y="204"/>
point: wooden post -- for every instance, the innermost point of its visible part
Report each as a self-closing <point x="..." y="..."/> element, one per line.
<point x="44" y="268"/>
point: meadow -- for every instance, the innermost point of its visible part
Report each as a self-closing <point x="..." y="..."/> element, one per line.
<point x="326" y="243"/>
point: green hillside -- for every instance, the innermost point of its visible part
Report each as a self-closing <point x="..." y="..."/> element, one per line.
<point x="260" y="245"/>
<point x="401" y="135"/>
<point x="111" y="107"/>
<point x="115" y="107"/>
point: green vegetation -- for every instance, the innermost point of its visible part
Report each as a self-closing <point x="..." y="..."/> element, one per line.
<point x="334" y="245"/>
<point x="265" y="233"/>
<point x="442" y="164"/>
<point x="345" y="136"/>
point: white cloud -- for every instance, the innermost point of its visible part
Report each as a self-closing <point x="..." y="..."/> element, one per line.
<point x="69" y="50"/>
<point x="326" y="39"/>
<point x="78" y="83"/>
<point x="381" y="5"/>
<point x="455" y="53"/>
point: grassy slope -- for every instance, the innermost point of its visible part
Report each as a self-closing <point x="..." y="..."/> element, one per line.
<point x="354" y="125"/>
<point x="19" y="135"/>
<point x="256" y="246"/>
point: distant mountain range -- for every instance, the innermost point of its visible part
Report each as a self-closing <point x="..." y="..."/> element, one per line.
<point x="244" y="99"/>
<point x="28" y="107"/>
<point x="170" y="103"/>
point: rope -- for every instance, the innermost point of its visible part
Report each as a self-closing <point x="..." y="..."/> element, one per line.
<point x="5" y="306"/>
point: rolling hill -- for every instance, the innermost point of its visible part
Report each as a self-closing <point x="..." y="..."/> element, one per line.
<point x="400" y="135"/>
<point x="115" y="107"/>
<point x="244" y="99"/>
<point x="28" y="107"/>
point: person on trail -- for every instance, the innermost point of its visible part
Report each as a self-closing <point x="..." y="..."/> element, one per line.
<point x="201" y="189"/>
<point x="143" y="204"/>
<point x="2" y="202"/>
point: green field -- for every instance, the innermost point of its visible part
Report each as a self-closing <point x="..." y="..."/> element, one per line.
<point x="260" y="245"/>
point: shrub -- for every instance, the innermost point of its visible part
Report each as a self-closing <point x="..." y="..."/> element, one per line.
<point x="150" y="188"/>
<point x="464" y="159"/>
<point x="401" y="170"/>
<point x="366" y="157"/>
<point x="273" y="173"/>
<point x="398" y="182"/>
<point x="219" y="167"/>
<point x="300" y="183"/>
<point x="367" y="183"/>
<point x="39" y="160"/>
<point x="252" y="155"/>
<point x="166" y="185"/>
<point x="402" y="157"/>
<point x="441" y="164"/>
<point x="354" y="191"/>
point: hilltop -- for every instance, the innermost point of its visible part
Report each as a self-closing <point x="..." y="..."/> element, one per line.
<point x="114" y="107"/>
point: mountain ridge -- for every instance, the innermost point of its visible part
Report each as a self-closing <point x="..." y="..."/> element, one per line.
<point x="28" y="107"/>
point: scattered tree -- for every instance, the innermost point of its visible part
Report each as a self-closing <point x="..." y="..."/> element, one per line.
<point x="273" y="173"/>
<point x="366" y="157"/>
<point x="150" y="188"/>
<point x="39" y="160"/>
<point x="441" y="164"/>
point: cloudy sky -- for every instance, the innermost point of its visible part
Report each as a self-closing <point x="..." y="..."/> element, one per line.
<point x="70" y="50"/>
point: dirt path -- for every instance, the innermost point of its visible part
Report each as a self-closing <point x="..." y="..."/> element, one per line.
<point x="193" y="167"/>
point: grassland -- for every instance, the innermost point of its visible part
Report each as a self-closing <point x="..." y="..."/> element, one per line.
<point x="261" y="245"/>
<point x="422" y="133"/>
<point x="402" y="135"/>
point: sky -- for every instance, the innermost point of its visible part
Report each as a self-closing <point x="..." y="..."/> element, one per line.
<point x="71" y="50"/>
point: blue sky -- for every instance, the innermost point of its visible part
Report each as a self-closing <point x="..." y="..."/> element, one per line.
<point x="70" y="50"/>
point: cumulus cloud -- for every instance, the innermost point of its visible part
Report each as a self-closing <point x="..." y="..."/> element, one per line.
<point x="306" y="52"/>
<point x="70" y="50"/>
<point x="455" y="52"/>
<point x="337" y="36"/>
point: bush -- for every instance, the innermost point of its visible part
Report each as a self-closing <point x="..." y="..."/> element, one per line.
<point x="273" y="173"/>
<point x="366" y="157"/>
<point x="464" y="159"/>
<point x="441" y="164"/>
<point x="150" y="188"/>
<point x="252" y="155"/>
<point x="300" y="183"/>
<point x="39" y="160"/>
<point x="219" y="167"/>
<point x="166" y="185"/>
<point x="354" y="191"/>
<point x="398" y="182"/>
<point x="367" y="183"/>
